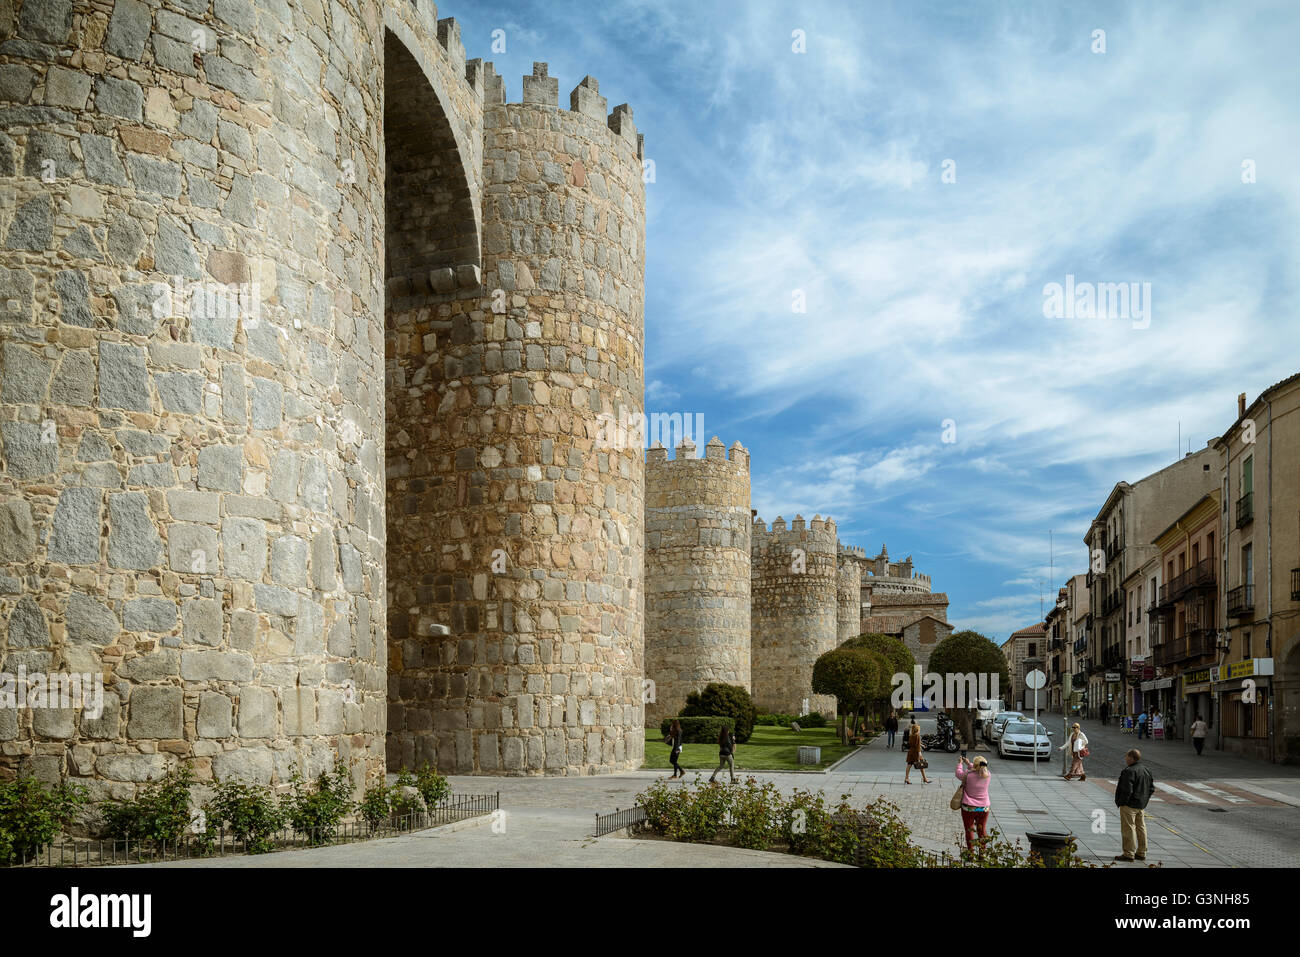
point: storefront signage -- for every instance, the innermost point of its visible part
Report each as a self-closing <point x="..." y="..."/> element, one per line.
<point x="1251" y="667"/>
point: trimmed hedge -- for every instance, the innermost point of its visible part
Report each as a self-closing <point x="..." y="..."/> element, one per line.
<point x="814" y="720"/>
<point x="700" y="730"/>
<point x="719" y="698"/>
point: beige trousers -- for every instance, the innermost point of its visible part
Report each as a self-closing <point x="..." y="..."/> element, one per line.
<point x="1133" y="831"/>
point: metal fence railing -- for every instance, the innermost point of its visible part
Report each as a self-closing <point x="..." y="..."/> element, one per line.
<point x="609" y="823"/>
<point x="89" y="852"/>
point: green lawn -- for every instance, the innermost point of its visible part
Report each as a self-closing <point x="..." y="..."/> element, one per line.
<point x="769" y="749"/>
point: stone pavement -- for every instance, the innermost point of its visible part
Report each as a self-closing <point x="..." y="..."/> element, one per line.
<point x="549" y="820"/>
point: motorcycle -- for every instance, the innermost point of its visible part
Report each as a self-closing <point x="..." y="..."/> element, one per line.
<point x="944" y="737"/>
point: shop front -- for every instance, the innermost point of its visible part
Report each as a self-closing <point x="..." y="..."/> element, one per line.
<point x="1196" y="700"/>
<point x="1159" y="696"/>
<point x="1245" y="695"/>
<point x="1112" y="692"/>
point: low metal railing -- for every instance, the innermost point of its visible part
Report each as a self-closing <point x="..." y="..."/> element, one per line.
<point x="81" y="852"/>
<point x="628" y="817"/>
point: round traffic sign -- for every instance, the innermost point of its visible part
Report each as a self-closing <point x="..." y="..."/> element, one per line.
<point x="1035" y="679"/>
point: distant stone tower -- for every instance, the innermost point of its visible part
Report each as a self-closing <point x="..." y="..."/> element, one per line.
<point x="697" y="578"/>
<point x="848" y="580"/>
<point x="305" y="337"/>
<point x="795" y="611"/>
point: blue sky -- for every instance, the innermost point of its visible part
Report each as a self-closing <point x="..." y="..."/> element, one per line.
<point x="822" y="172"/>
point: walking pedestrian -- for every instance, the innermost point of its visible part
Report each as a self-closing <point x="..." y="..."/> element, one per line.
<point x="1132" y="794"/>
<point x="907" y="735"/>
<point x="1078" y="748"/>
<point x="1142" y="723"/>
<point x="1105" y="711"/>
<point x="891" y="728"/>
<point x="675" y="738"/>
<point x="726" y="748"/>
<point x="1199" y="730"/>
<point x="974" y="777"/>
<point x="914" y="757"/>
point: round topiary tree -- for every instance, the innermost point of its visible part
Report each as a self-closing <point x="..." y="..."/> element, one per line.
<point x="852" y="676"/>
<point x="968" y="652"/>
<point x="731" y="701"/>
<point x="896" y="658"/>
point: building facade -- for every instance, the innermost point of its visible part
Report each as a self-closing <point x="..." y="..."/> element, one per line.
<point x="1119" y="542"/>
<point x="1257" y="680"/>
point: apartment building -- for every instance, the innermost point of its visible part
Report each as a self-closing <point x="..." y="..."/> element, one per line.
<point x="1185" y="615"/>
<point x="1119" y="542"/>
<point x="1256" y="681"/>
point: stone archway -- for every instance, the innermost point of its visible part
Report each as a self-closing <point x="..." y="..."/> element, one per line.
<point x="431" y="257"/>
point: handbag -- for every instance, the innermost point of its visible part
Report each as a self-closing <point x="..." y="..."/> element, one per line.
<point x="1084" y="752"/>
<point x="955" y="803"/>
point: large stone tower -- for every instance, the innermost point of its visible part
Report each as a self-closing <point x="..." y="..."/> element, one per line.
<point x="795" y="611"/>
<point x="697" y="559"/>
<point x="215" y="219"/>
<point x="510" y="522"/>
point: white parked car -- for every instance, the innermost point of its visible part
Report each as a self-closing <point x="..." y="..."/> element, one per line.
<point x="992" y="729"/>
<point x="1018" y="739"/>
<point x="986" y="709"/>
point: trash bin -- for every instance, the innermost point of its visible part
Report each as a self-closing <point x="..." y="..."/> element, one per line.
<point x="1050" y="845"/>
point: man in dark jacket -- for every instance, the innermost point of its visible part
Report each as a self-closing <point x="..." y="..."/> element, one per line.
<point x="1132" y="794"/>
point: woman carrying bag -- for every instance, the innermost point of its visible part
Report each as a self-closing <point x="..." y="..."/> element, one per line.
<point x="914" y="758"/>
<point x="1078" y="745"/>
<point x="675" y="738"/>
<point x="972" y="797"/>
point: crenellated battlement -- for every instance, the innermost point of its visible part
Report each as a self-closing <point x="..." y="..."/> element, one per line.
<point x="737" y="457"/>
<point x="820" y="533"/>
<point x="540" y="89"/>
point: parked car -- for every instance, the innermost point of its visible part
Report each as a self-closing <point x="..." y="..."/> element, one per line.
<point x="993" y="729"/>
<point x="986" y="709"/>
<point x="1018" y="739"/>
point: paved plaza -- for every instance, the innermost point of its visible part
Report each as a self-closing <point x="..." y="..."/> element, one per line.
<point x="1213" y="811"/>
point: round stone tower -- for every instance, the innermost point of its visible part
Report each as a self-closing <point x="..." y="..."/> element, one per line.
<point x="848" y="581"/>
<point x="794" y="613"/>
<point x="518" y="526"/>
<point x="697" y="528"/>
<point x="191" y="292"/>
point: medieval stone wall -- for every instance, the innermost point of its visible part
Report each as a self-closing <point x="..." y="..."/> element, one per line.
<point x="194" y="488"/>
<point x="794" y="616"/>
<point x="697" y="557"/>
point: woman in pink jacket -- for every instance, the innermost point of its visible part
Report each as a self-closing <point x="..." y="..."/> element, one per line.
<point x="974" y="777"/>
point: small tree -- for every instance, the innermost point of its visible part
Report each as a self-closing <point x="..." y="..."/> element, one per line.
<point x="895" y="660"/>
<point x="724" y="700"/>
<point x="851" y="676"/>
<point x="968" y="652"/>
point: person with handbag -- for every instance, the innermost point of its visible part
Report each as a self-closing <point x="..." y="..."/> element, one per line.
<point x="914" y="757"/>
<point x="1078" y="745"/>
<point x="972" y="797"/>
<point x="675" y="738"/>
<point x="726" y="748"/>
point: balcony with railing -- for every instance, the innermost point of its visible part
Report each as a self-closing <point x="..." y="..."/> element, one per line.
<point x="1200" y="577"/>
<point x="1241" y="601"/>
<point x="1245" y="509"/>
